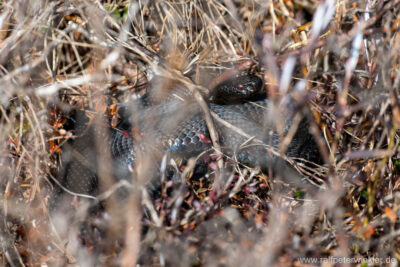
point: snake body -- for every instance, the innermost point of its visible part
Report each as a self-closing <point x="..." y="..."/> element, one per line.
<point x="179" y="128"/>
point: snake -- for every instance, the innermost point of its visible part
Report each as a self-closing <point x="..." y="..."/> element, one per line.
<point x="242" y="115"/>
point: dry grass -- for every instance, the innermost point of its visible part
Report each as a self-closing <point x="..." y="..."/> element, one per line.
<point x="338" y="59"/>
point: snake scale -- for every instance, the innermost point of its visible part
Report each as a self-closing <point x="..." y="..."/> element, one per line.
<point x="241" y="114"/>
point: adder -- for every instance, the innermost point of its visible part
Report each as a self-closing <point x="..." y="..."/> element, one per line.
<point x="243" y="117"/>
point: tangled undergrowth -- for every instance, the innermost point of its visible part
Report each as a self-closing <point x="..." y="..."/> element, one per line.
<point x="338" y="63"/>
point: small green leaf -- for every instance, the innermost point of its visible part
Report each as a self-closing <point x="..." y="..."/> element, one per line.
<point x="364" y="193"/>
<point x="125" y="13"/>
<point x="299" y="194"/>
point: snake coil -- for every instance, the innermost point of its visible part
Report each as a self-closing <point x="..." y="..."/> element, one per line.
<point x="178" y="127"/>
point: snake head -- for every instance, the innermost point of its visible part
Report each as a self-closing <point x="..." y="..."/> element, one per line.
<point x="238" y="89"/>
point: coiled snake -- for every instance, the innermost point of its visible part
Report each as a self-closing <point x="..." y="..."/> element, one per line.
<point x="242" y="118"/>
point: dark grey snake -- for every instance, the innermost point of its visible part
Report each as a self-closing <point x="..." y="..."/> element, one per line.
<point x="177" y="127"/>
